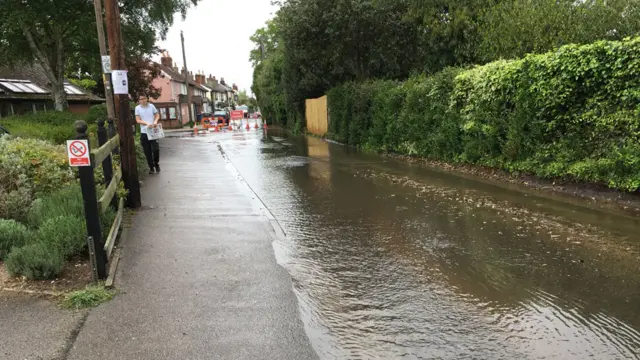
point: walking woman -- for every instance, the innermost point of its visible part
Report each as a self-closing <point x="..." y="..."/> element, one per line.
<point x="147" y="116"/>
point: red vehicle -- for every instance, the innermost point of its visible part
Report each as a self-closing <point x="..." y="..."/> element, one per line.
<point x="220" y="117"/>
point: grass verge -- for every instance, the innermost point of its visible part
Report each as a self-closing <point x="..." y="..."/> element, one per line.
<point x="91" y="296"/>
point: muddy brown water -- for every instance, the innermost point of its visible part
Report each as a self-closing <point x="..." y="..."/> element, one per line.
<point x="391" y="260"/>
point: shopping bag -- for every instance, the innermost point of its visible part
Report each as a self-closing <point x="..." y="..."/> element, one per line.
<point x="155" y="133"/>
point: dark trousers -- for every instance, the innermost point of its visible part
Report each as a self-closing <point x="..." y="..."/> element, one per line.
<point x="151" y="150"/>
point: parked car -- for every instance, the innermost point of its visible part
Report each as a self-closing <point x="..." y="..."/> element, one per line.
<point x="222" y="116"/>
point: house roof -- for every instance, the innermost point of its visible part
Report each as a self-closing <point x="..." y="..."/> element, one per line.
<point x="220" y="88"/>
<point x="179" y="77"/>
<point x="30" y="82"/>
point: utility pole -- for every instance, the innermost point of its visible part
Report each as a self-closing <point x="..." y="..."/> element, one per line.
<point x="186" y="79"/>
<point x="127" y="143"/>
<point x="262" y="47"/>
<point x="106" y="77"/>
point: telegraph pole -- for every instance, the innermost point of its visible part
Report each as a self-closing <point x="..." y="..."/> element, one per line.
<point x="127" y="143"/>
<point x="262" y="47"/>
<point x="106" y="77"/>
<point x="186" y="78"/>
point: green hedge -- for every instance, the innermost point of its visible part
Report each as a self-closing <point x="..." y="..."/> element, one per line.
<point x="570" y="114"/>
<point x="54" y="126"/>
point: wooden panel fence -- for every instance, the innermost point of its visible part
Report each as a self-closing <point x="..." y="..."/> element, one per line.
<point x="317" y="116"/>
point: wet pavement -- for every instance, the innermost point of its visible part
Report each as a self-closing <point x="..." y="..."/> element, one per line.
<point x="198" y="278"/>
<point x="391" y="260"/>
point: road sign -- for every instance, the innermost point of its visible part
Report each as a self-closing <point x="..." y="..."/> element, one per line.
<point x="78" y="152"/>
<point x="237" y="114"/>
<point x="106" y="64"/>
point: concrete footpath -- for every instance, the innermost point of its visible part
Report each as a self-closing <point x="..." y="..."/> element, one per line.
<point x="197" y="279"/>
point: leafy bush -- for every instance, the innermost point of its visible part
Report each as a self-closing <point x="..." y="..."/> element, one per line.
<point x="15" y="204"/>
<point x="63" y="202"/>
<point x="12" y="234"/>
<point x="569" y="114"/>
<point x="141" y="160"/>
<point x="36" y="261"/>
<point x="36" y="163"/>
<point x="96" y="112"/>
<point x="66" y="233"/>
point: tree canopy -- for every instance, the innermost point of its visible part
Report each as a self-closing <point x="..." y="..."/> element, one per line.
<point x="314" y="45"/>
<point x="60" y="36"/>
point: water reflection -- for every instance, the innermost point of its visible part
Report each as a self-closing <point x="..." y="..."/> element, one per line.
<point x="390" y="271"/>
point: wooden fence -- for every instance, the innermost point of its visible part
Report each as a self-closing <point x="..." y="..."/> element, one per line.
<point x="316" y="116"/>
<point x="108" y="141"/>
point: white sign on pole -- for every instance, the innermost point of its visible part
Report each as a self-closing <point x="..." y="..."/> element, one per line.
<point x="78" y="153"/>
<point x="106" y="64"/>
<point x="120" y="82"/>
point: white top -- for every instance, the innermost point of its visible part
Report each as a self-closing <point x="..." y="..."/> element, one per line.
<point x="147" y="114"/>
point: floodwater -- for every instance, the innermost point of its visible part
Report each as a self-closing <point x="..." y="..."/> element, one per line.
<point x="391" y="260"/>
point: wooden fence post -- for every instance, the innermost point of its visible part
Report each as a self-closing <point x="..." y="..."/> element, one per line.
<point x="107" y="164"/>
<point x="112" y="132"/>
<point x="92" y="217"/>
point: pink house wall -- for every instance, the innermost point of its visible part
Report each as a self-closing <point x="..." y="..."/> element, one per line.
<point x="166" y="94"/>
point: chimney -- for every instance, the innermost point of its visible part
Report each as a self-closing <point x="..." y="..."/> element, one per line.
<point x="222" y="82"/>
<point x="166" y="60"/>
<point x="200" y="78"/>
<point x="234" y="87"/>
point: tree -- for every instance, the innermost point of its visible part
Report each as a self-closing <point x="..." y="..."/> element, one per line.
<point x="44" y="33"/>
<point x="450" y="31"/>
<point x="518" y="27"/>
<point x="313" y="45"/>
<point x="141" y="72"/>
<point x="61" y="34"/>
<point x="243" y="98"/>
<point x="265" y="38"/>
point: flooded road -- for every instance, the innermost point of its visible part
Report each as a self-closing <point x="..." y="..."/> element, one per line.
<point x="396" y="261"/>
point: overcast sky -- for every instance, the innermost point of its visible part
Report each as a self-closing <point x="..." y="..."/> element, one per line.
<point x="216" y="38"/>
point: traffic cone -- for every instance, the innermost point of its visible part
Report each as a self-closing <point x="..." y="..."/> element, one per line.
<point x="255" y="125"/>
<point x="247" y="127"/>
<point x="216" y="128"/>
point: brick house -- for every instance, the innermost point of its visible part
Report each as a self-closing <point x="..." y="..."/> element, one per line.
<point x="172" y="103"/>
<point x="221" y="95"/>
<point x="26" y="89"/>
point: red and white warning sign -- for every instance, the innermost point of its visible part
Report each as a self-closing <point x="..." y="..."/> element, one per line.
<point x="78" y="152"/>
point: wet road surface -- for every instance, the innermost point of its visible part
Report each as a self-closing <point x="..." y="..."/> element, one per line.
<point x="396" y="261"/>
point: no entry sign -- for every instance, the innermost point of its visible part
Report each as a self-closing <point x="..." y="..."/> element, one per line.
<point x="78" y="152"/>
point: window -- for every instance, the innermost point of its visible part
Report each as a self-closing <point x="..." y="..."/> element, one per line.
<point x="163" y="113"/>
<point x="167" y="113"/>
